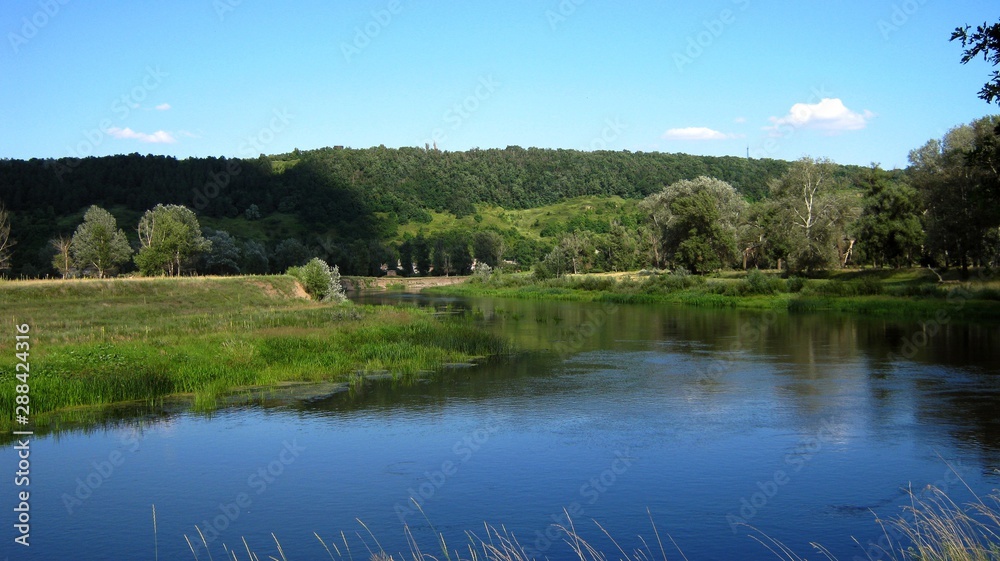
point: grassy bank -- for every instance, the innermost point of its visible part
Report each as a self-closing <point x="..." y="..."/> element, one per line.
<point x="907" y="293"/>
<point x="97" y="342"/>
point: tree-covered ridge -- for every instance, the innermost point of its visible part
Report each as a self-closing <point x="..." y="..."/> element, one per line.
<point x="407" y="180"/>
<point x="339" y="195"/>
<point x="421" y="211"/>
<point x="402" y="181"/>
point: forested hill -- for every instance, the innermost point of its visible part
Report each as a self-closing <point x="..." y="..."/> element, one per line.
<point x="402" y="181"/>
<point x="348" y="193"/>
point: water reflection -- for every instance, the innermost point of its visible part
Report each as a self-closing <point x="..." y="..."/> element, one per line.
<point x="701" y="409"/>
<point x="945" y="376"/>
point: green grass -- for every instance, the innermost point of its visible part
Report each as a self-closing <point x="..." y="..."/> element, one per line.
<point x="271" y="228"/>
<point x="910" y="293"/>
<point x="528" y="222"/>
<point x="103" y="342"/>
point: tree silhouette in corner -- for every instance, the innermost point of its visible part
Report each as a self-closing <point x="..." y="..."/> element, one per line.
<point x="985" y="41"/>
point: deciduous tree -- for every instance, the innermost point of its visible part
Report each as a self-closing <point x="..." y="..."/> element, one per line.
<point x="6" y="242"/>
<point x="985" y="41"/>
<point x="695" y="222"/>
<point x="62" y="261"/>
<point x="99" y="243"/>
<point x="171" y="239"/>
<point x="811" y="215"/>
<point x="488" y="247"/>
<point x="889" y="230"/>
<point x="958" y="184"/>
<point x="224" y="256"/>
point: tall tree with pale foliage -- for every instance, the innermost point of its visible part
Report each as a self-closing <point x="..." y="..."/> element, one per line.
<point x="62" y="261"/>
<point x="695" y="223"/>
<point x="812" y="214"/>
<point x="99" y="243"/>
<point x="6" y="242"/>
<point x="171" y="239"/>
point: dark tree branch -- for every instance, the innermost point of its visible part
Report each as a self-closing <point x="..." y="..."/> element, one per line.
<point x="984" y="41"/>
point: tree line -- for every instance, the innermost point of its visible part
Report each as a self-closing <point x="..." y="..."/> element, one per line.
<point x="944" y="211"/>
<point x="353" y="199"/>
<point x="343" y="206"/>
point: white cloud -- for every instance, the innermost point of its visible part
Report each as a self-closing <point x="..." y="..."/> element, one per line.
<point x="740" y="120"/>
<point x="697" y="133"/>
<point x="158" y="137"/>
<point x="162" y="107"/>
<point x="830" y="115"/>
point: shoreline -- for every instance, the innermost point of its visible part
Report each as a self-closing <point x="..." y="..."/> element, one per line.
<point x="904" y="301"/>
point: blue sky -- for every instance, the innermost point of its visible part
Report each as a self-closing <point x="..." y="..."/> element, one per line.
<point x="855" y="81"/>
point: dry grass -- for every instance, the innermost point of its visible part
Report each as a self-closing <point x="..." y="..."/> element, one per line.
<point x="935" y="528"/>
<point x="931" y="528"/>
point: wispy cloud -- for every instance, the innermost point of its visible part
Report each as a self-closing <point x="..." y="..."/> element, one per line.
<point x="697" y="133"/>
<point x="162" y="107"/>
<point x="829" y="115"/>
<point x="740" y="120"/>
<point x="158" y="137"/>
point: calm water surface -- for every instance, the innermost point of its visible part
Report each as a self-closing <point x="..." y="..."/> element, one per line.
<point x="802" y="425"/>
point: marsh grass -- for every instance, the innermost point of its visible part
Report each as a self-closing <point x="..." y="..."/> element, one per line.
<point x="105" y="342"/>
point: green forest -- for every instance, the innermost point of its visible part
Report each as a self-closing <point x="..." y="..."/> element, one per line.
<point x="424" y="211"/>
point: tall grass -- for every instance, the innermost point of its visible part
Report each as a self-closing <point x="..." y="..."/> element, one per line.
<point x="104" y="342"/>
<point x="935" y="528"/>
<point x="931" y="529"/>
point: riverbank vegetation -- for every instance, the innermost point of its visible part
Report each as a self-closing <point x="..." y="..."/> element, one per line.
<point x="905" y="292"/>
<point x="97" y="342"/>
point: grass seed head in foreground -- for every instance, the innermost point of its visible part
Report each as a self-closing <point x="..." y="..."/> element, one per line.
<point x="934" y="528"/>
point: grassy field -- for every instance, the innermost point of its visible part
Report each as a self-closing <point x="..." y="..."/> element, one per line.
<point x="98" y="342"/>
<point x="528" y="222"/>
<point x="915" y="293"/>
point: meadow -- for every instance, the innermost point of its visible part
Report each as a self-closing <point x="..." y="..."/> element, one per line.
<point x="100" y="342"/>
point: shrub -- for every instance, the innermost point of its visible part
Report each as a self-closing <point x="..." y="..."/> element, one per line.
<point x="595" y="284"/>
<point x="870" y="286"/>
<point x="320" y="280"/>
<point x="988" y="294"/>
<point x="795" y="284"/>
<point x="544" y="271"/>
<point x="835" y="288"/>
<point x="758" y="283"/>
<point x="483" y="271"/>
<point x="920" y="291"/>
<point x="679" y="280"/>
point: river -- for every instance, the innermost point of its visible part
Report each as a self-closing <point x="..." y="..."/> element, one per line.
<point x="706" y="423"/>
